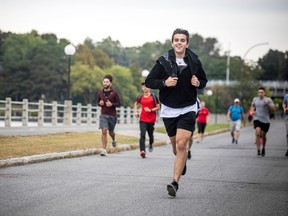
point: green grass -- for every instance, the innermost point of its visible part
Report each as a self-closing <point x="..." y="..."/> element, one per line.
<point x="20" y="146"/>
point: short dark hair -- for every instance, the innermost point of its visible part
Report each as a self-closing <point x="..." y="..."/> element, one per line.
<point x="261" y="88"/>
<point x="180" y="31"/>
<point x="108" y="77"/>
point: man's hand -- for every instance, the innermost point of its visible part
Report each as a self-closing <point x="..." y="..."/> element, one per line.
<point x="108" y="103"/>
<point x="171" y="81"/>
<point x="101" y="103"/>
<point x="194" y="81"/>
<point x="147" y="109"/>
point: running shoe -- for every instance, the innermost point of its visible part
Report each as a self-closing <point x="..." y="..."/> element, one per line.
<point x="233" y="140"/>
<point x="263" y="152"/>
<point x="184" y="170"/>
<point x="143" y="154"/>
<point x="103" y="153"/>
<point x="189" y="155"/>
<point x="236" y="141"/>
<point x="258" y="153"/>
<point x="114" y="143"/>
<point x="286" y="155"/>
<point x="172" y="188"/>
<point x="150" y="148"/>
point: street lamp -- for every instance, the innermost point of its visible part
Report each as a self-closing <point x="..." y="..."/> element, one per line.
<point x="252" y="47"/>
<point x="242" y="69"/>
<point x="69" y="51"/>
<point x="145" y="73"/>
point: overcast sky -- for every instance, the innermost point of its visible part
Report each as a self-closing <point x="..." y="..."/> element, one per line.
<point x="238" y="24"/>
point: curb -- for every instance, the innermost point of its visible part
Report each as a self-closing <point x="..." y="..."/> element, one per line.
<point x="63" y="155"/>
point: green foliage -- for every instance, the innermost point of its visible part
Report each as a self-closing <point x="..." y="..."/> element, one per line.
<point x="275" y="65"/>
<point x="86" y="81"/>
<point x="34" y="66"/>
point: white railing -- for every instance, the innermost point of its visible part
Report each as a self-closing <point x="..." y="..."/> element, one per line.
<point x="55" y="113"/>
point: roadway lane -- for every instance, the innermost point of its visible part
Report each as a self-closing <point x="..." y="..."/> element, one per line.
<point x="221" y="179"/>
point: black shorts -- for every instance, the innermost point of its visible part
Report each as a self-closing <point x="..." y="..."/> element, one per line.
<point x="201" y="127"/>
<point x="264" y="126"/>
<point x="185" y="121"/>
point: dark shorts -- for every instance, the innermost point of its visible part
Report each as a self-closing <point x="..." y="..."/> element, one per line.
<point x="107" y="121"/>
<point x="264" y="126"/>
<point x="201" y="127"/>
<point x="185" y="121"/>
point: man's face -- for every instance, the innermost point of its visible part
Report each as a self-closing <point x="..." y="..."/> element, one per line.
<point x="261" y="93"/>
<point x="106" y="83"/>
<point x="145" y="89"/>
<point x="179" y="43"/>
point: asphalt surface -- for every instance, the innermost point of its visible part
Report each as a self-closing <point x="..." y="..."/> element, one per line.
<point x="221" y="179"/>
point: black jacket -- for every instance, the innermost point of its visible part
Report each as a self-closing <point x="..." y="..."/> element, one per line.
<point x="184" y="93"/>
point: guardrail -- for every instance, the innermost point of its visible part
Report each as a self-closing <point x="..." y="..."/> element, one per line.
<point x="55" y="113"/>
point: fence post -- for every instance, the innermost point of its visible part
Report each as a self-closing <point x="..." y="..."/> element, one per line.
<point x="25" y="117"/>
<point x="79" y="114"/>
<point x="122" y="115"/>
<point x="68" y="112"/>
<point x="8" y="111"/>
<point x="98" y="113"/>
<point x="54" y="113"/>
<point x="128" y="115"/>
<point x="40" y="113"/>
<point x="89" y="114"/>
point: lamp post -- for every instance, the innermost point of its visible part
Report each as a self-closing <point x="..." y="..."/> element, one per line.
<point x="69" y="51"/>
<point x="210" y="93"/>
<point x="145" y="73"/>
<point x="252" y="47"/>
<point x="242" y="69"/>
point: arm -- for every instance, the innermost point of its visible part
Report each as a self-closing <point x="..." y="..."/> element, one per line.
<point x="117" y="102"/>
<point x="270" y="104"/>
<point x="208" y="118"/>
<point x="200" y="75"/>
<point x="156" y="78"/>
<point x="100" y="102"/>
<point x="228" y="114"/>
<point x="136" y="113"/>
<point x="157" y="107"/>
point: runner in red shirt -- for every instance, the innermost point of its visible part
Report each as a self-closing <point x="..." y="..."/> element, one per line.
<point x="150" y="104"/>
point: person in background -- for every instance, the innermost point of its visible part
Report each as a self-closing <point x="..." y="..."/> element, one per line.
<point x="260" y="107"/>
<point x="178" y="74"/>
<point x="202" y="121"/>
<point x="285" y="108"/>
<point x="149" y="106"/>
<point x="235" y="115"/>
<point x="108" y="99"/>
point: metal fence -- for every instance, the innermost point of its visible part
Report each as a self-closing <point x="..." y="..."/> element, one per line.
<point x="55" y="113"/>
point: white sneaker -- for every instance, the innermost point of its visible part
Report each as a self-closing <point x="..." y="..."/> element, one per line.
<point x="103" y="153"/>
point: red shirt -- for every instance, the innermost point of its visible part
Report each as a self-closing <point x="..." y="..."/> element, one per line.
<point x="202" y="115"/>
<point x="147" y="102"/>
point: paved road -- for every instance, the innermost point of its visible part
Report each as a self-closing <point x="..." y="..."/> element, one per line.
<point x="221" y="179"/>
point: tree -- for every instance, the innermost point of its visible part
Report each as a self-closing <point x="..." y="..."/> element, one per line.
<point x="274" y="65"/>
<point x="86" y="82"/>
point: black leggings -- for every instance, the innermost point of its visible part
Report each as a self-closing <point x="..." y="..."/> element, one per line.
<point x="146" y="127"/>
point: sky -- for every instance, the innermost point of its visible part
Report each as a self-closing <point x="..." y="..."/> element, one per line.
<point x="238" y="25"/>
